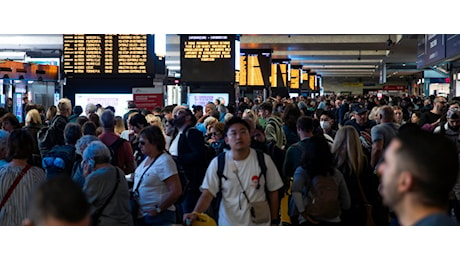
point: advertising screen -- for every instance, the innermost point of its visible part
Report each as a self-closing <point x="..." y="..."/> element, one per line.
<point x="204" y="98"/>
<point x="118" y="101"/>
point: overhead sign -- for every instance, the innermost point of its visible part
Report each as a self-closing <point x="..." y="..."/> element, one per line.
<point x="208" y="58"/>
<point x="108" y="55"/>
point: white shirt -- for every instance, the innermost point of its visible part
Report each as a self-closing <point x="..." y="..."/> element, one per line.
<point x="234" y="208"/>
<point x="152" y="189"/>
<point x="173" y="149"/>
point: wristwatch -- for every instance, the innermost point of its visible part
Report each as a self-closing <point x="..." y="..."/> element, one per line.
<point x="157" y="209"/>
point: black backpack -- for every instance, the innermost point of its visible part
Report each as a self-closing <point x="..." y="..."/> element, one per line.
<point x="213" y="210"/>
<point x="46" y="138"/>
<point x="113" y="148"/>
<point x="59" y="161"/>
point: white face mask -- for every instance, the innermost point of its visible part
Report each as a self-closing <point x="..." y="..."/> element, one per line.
<point x="324" y="124"/>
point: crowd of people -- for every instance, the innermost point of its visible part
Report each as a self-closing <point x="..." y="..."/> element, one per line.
<point x="328" y="160"/>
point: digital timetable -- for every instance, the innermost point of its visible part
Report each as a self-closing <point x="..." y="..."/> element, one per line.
<point x="95" y="55"/>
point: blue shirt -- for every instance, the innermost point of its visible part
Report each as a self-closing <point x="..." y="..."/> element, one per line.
<point x="437" y="219"/>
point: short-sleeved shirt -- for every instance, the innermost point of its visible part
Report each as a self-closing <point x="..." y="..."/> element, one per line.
<point x="234" y="207"/>
<point x="15" y="209"/>
<point x="385" y="132"/>
<point x="153" y="188"/>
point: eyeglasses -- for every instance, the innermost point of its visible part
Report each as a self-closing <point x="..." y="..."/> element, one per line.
<point x="214" y="133"/>
<point x="142" y="142"/>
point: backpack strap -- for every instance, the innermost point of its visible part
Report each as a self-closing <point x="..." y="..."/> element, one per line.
<point x="115" y="145"/>
<point x="220" y="169"/>
<point x="263" y="167"/>
<point x="98" y="213"/>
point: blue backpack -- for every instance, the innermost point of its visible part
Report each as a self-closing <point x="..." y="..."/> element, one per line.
<point x="59" y="161"/>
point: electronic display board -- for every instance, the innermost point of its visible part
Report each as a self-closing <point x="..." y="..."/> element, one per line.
<point x="452" y="45"/>
<point x="280" y="73"/>
<point x="420" y="52"/>
<point x="295" y="79"/>
<point x="312" y="81"/>
<point x="208" y="58"/>
<point x="255" y="67"/>
<point x="108" y="55"/>
<point x="435" y="48"/>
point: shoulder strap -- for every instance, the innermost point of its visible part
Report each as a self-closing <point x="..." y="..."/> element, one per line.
<point x="262" y="165"/>
<point x="13" y="186"/>
<point x="98" y="213"/>
<point x="115" y="145"/>
<point x="220" y="168"/>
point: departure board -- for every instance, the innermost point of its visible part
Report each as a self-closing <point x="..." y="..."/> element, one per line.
<point x="295" y="79"/>
<point x="280" y="73"/>
<point x="255" y="67"/>
<point x="207" y="58"/>
<point x="111" y="55"/>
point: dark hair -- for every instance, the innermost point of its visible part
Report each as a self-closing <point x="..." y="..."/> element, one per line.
<point x="12" y="119"/>
<point x="168" y="109"/>
<point x="81" y="120"/>
<point x="111" y="108"/>
<point x="89" y="128"/>
<point x="433" y="162"/>
<point x="266" y="106"/>
<point x="72" y="132"/>
<point x="20" y="144"/>
<point x="328" y="113"/>
<point x="317" y="158"/>
<point x="94" y="118"/>
<point x="235" y="120"/>
<point x="155" y="136"/>
<point x="77" y="110"/>
<point x="59" y="198"/>
<point x="290" y="115"/>
<point x="305" y="123"/>
<point x="138" y="120"/>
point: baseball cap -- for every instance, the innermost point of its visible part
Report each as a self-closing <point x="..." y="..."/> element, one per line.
<point x="359" y="108"/>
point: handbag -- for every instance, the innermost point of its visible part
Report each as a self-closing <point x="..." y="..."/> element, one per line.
<point x="260" y="211"/>
<point x="367" y="206"/>
<point x="134" y="194"/>
<point x="13" y="186"/>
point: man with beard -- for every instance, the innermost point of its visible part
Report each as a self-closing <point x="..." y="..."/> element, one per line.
<point x="418" y="172"/>
<point x="432" y="118"/>
<point x="187" y="148"/>
<point x="451" y="129"/>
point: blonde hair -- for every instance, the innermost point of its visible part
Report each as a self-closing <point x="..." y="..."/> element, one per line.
<point x="374" y="112"/>
<point x="252" y="116"/>
<point x="347" y="149"/>
<point x="155" y="120"/>
<point x="119" y="125"/>
<point x="63" y="105"/>
<point x="33" y="116"/>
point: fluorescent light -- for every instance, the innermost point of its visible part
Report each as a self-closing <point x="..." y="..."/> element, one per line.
<point x="12" y="55"/>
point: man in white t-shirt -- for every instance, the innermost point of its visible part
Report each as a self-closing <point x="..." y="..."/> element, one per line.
<point x="243" y="183"/>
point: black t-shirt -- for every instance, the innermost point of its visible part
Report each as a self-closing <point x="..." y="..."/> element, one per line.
<point x="428" y="118"/>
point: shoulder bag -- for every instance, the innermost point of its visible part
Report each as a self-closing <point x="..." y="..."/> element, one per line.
<point x="13" y="186"/>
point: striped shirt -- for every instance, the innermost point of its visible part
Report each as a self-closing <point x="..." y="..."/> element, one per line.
<point x="15" y="209"/>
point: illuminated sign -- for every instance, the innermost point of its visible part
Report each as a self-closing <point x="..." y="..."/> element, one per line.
<point x="255" y="67"/>
<point x="311" y="82"/>
<point x="295" y="79"/>
<point x="280" y="73"/>
<point x="208" y="58"/>
<point x="99" y="55"/>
